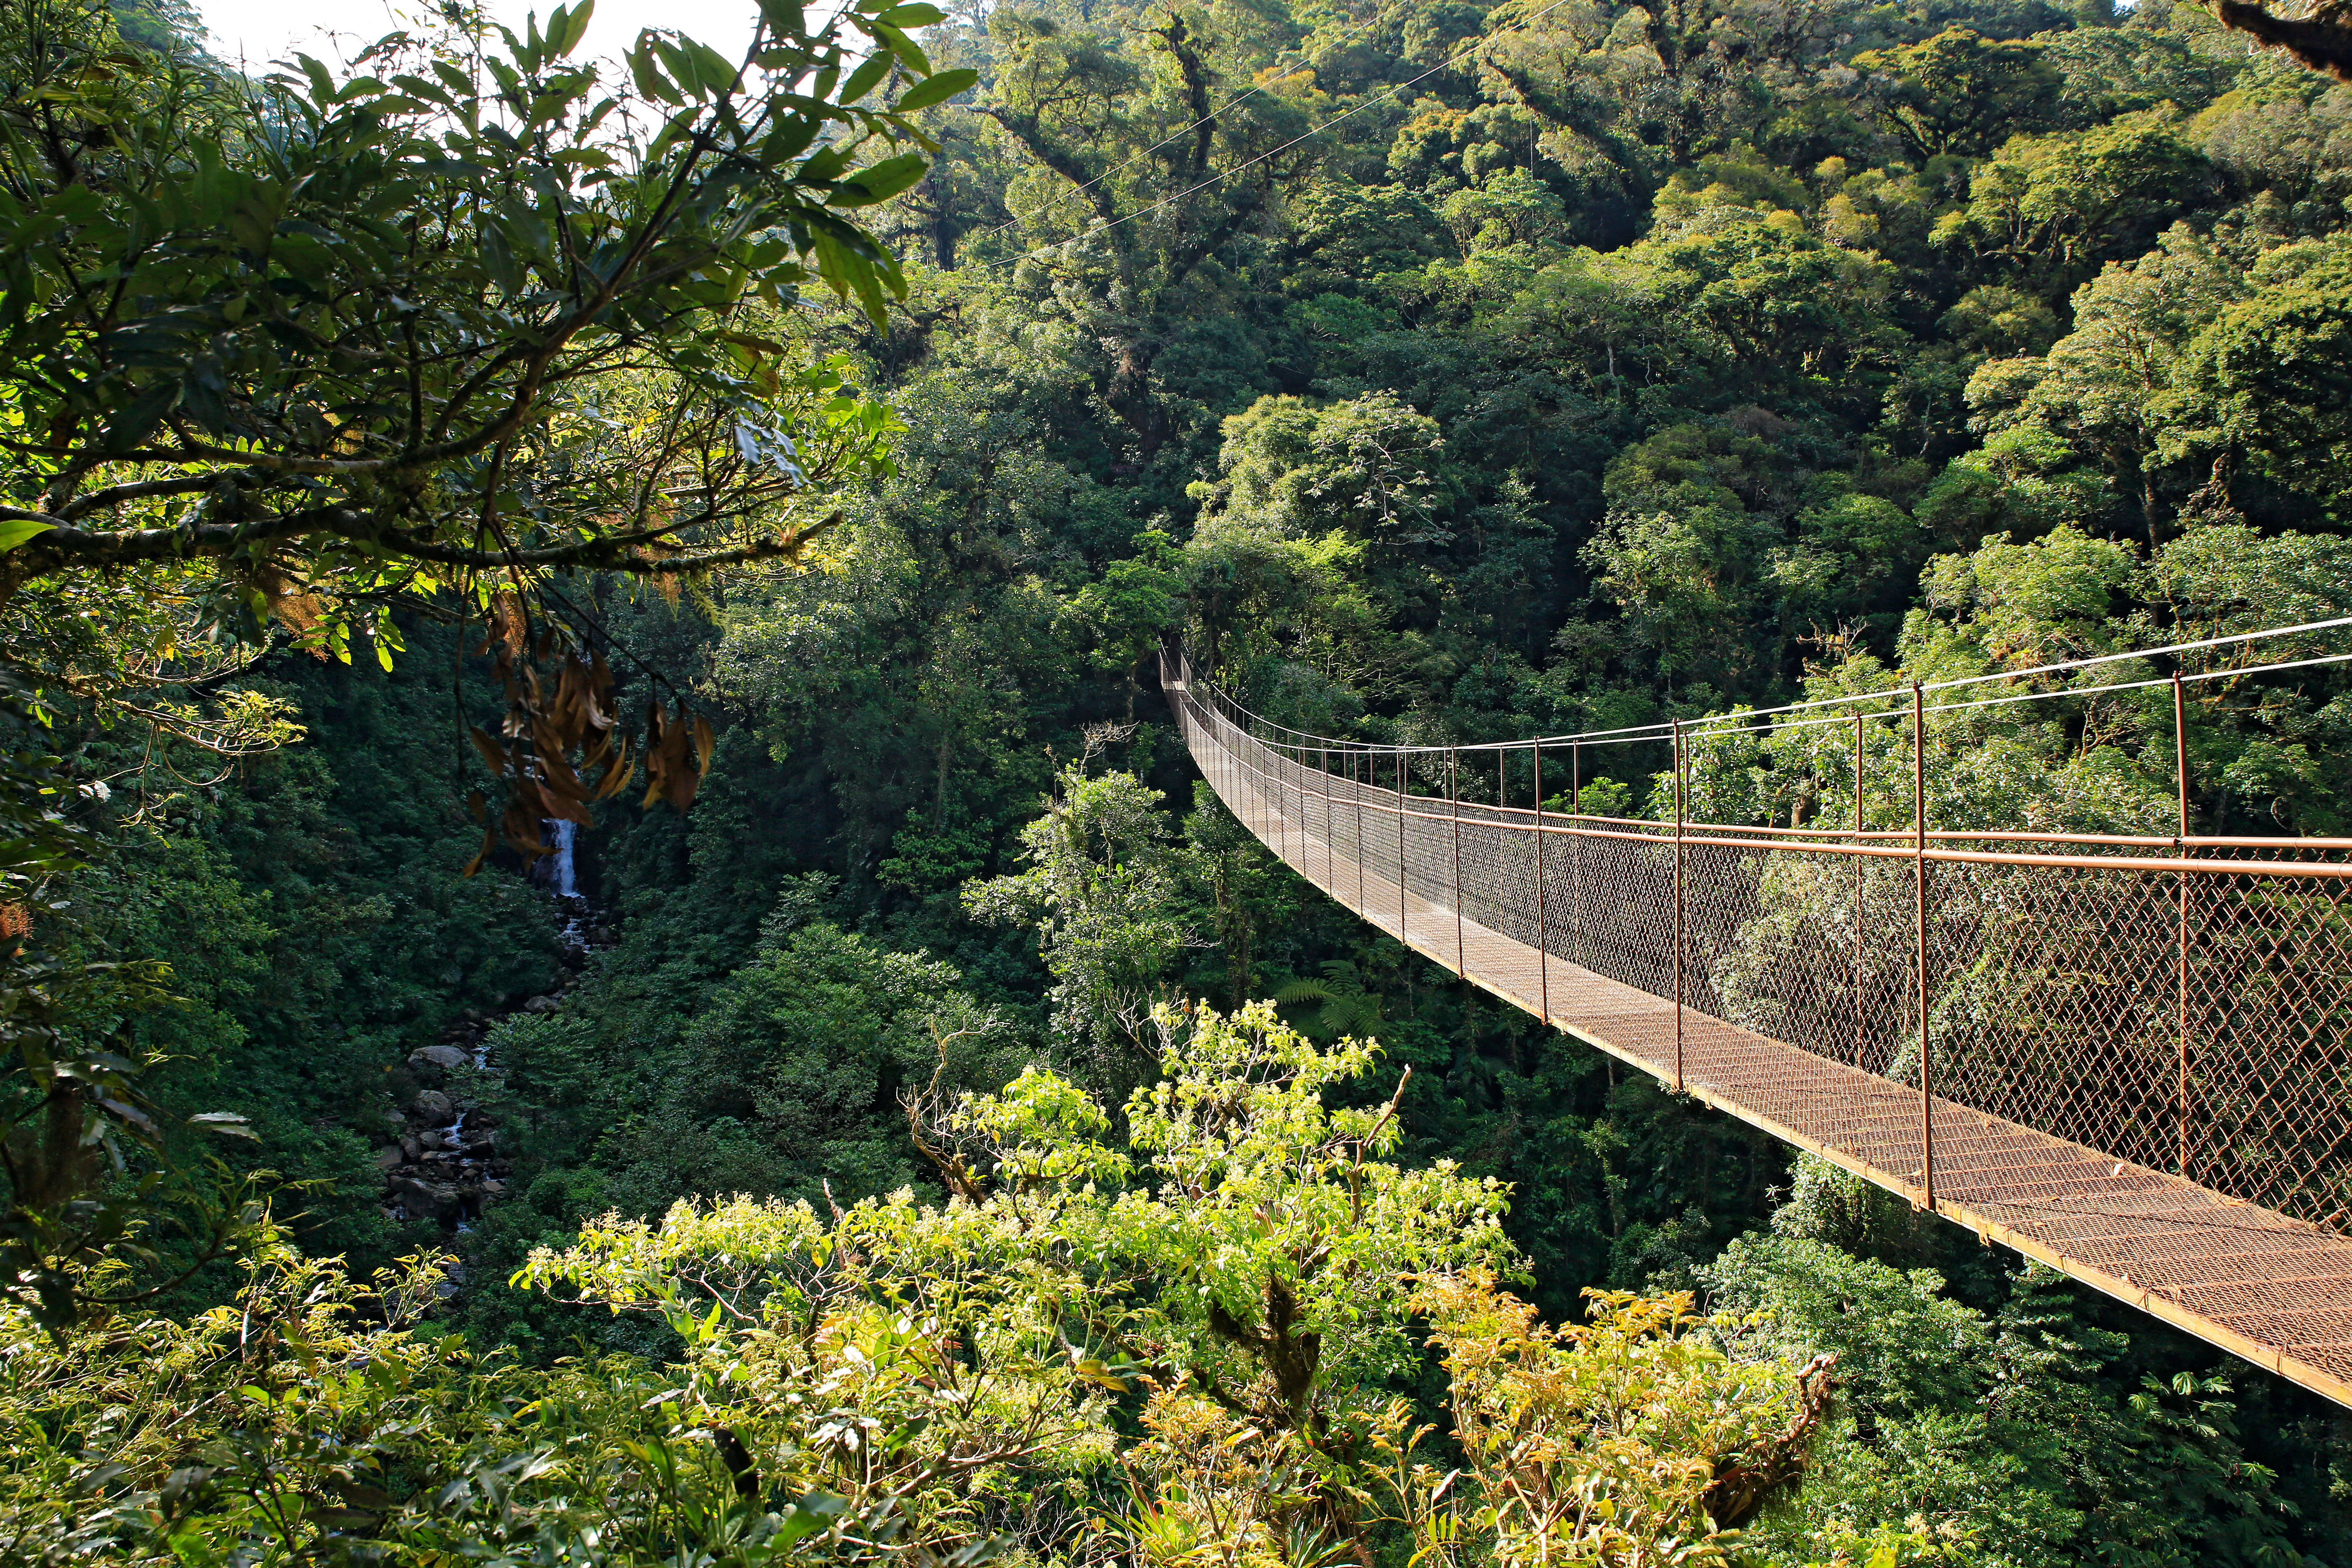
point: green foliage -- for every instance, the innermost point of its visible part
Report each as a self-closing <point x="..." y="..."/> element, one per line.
<point x="1644" y="363"/>
<point x="295" y="350"/>
<point x="2267" y="377"/>
<point x="317" y="1418"/>
<point x="921" y="1383"/>
<point x="2001" y="1429"/>
<point x="369" y="307"/>
<point x="1100" y="890"/>
<point x="788" y="1075"/>
<point x="1962" y="93"/>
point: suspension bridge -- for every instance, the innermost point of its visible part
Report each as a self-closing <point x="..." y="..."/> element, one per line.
<point x="2127" y="1056"/>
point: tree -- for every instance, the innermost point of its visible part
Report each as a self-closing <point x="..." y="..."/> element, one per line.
<point x="786" y="1080"/>
<point x="1962" y="93"/>
<point x="1998" y="1428"/>
<point x="1104" y="888"/>
<point x="1172" y="1342"/>
<point x="1630" y="1435"/>
<point x="436" y="329"/>
<point x="2054" y="205"/>
<point x="2268" y="378"/>
<point x="383" y="345"/>
<point x="2104" y="390"/>
<point x="425" y="334"/>
<point x="1141" y="177"/>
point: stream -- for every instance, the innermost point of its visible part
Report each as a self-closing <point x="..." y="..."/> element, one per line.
<point x="441" y="1160"/>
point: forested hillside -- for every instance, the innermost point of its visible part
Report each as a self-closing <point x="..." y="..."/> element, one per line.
<point x="410" y="468"/>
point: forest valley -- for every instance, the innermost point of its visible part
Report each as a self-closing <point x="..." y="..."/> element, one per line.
<point x="609" y="954"/>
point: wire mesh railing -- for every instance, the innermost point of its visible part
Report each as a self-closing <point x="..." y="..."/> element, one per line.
<point x="2018" y="1024"/>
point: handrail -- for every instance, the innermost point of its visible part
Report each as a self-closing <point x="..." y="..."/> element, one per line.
<point x="2122" y="1053"/>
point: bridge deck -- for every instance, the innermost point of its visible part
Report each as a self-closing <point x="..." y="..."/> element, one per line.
<point x="2270" y="1289"/>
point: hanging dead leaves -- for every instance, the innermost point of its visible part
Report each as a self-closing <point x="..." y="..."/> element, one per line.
<point x="570" y="713"/>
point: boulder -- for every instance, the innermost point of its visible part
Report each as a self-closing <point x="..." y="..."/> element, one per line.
<point x="433" y="1106"/>
<point x="446" y="1058"/>
<point x="493" y="1188"/>
<point x="430" y="1195"/>
<point x="390" y="1159"/>
<point x="547" y="1003"/>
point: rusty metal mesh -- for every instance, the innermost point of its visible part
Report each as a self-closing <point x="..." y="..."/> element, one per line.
<point x="2137" y="1053"/>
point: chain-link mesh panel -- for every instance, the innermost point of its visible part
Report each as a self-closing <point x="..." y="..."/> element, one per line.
<point x="2136" y="1053"/>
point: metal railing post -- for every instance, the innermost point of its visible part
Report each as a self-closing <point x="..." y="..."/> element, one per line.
<point x="1454" y="807"/>
<point x="1576" y="844"/>
<point x="1245" y="782"/>
<point x="1678" y="906"/>
<point x="1404" y="932"/>
<point x="1323" y="793"/>
<point x="1287" y="792"/>
<point x="1919" y="911"/>
<point x="1860" y="1017"/>
<point x="1302" y="795"/>
<point x="1356" y="789"/>
<point x="1287" y="802"/>
<point x="1543" y="937"/>
<point x="2180" y="782"/>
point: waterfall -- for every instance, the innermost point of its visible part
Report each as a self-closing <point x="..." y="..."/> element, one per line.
<point x="566" y="884"/>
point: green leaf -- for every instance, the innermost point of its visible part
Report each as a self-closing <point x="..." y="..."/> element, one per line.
<point x="15" y="530"/>
<point x="649" y="78"/>
<point x="713" y="68"/>
<point x="227" y="1123"/>
<point x="937" y="90"/>
<point x="867" y="77"/>
<point x="824" y="165"/>
<point x="790" y="139"/>
<point x="880" y="181"/>
<point x="680" y="67"/>
<point x="910" y="52"/>
<point x="916" y="16"/>
<point x="322" y="81"/>
<point x="565" y="29"/>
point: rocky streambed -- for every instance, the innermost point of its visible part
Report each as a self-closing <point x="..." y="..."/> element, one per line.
<point x="443" y="1163"/>
<point x="442" y="1159"/>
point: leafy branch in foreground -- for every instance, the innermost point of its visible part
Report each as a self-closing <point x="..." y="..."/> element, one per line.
<point x="1164" y="1350"/>
<point x="435" y="330"/>
<point x="357" y="329"/>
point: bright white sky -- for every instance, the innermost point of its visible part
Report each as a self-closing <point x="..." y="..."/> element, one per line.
<point x="258" y="31"/>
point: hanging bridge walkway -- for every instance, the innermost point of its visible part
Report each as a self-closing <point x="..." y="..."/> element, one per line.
<point x="2128" y="1057"/>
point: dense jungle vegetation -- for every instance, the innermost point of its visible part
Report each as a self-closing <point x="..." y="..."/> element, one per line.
<point x="610" y="956"/>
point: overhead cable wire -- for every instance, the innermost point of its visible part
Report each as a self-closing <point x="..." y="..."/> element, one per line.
<point x="1735" y="722"/>
<point x="1844" y="719"/>
<point x="1715" y="721"/>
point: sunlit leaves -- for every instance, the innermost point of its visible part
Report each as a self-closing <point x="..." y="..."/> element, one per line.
<point x="364" y="329"/>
